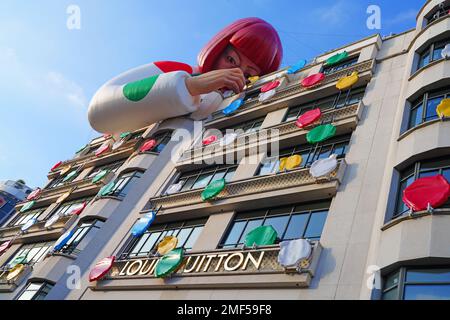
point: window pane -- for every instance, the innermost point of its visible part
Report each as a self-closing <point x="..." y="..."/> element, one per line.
<point x="424" y="60"/>
<point x="427" y="292"/>
<point x="150" y="243"/>
<point x="27" y="295"/>
<point x="235" y="233"/>
<point x="391" y="281"/>
<point x="183" y="235"/>
<point x="219" y="175"/>
<point x="250" y="226"/>
<point x="188" y="184"/>
<point x="296" y="227"/>
<point x="428" y="173"/>
<point x="431" y="108"/>
<point x="437" y="53"/>
<point x="230" y="174"/>
<point x="433" y="275"/>
<point x="315" y="225"/>
<point x="390" y="295"/>
<point x="203" y="181"/>
<point x="415" y="117"/>
<point x="268" y="167"/>
<point x="446" y="174"/>
<point x="193" y="238"/>
<point x="401" y="206"/>
<point x="278" y="223"/>
<point x="140" y="243"/>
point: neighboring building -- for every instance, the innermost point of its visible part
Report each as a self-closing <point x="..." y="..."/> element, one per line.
<point x="387" y="135"/>
<point x="11" y="192"/>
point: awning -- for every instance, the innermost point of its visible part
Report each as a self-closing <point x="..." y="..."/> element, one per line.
<point x="148" y="145"/>
<point x="297" y="67"/>
<point x="293" y="252"/>
<point x="336" y="58"/>
<point x="167" y="244"/>
<point x="347" y="82"/>
<point x="313" y="80"/>
<point x="324" y="167"/>
<point x="235" y="105"/>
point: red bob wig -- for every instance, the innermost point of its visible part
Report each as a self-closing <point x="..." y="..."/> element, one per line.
<point x="254" y="37"/>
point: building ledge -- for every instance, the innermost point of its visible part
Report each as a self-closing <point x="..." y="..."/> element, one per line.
<point x="431" y="64"/>
<point x="414" y="216"/>
<point x="420" y="126"/>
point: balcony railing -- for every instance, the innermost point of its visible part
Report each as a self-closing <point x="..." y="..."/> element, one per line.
<point x="294" y="88"/>
<point x="264" y="135"/>
<point x="256" y="185"/>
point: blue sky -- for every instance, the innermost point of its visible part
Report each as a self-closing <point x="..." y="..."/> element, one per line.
<point x="48" y="73"/>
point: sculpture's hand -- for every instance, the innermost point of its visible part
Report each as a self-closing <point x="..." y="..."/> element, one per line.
<point x="231" y="79"/>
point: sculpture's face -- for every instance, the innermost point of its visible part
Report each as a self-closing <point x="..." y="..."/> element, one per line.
<point x="232" y="58"/>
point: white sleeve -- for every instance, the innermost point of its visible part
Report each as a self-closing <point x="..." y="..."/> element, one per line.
<point x="113" y="111"/>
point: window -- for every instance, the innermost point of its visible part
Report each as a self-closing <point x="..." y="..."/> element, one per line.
<point x="22" y="218"/>
<point x="201" y="178"/>
<point x="431" y="53"/>
<point x="309" y="153"/>
<point x="82" y="236"/>
<point x="64" y="179"/>
<point x="291" y="222"/>
<point x="340" y="66"/>
<point x="67" y="207"/>
<point x="35" y="291"/>
<point x="187" y="233"/>
<point x="417" y="284"/>
<point x="440" y="12"/>
<point x="419" y="170"/>
<point x="112" y="167"/>
<point x="424" y="108"/>
<point x="124" y="183"/>
<point x="246" y="127"/>
<point x="352" y="96"/>
<point x="34" y="253"/>
<point x="162" y="139"/>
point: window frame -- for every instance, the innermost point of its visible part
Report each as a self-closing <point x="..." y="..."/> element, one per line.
<point x="83" y="229"/>
<point x="111" y="167"/>
<point x="314" y="153"/>
<point x="349" y="96"/>
<point x="430" y="51"/>
<point x="402" y="280"/>
<point x="123" y="180"/>
<point x="416" y="170"/>
<point x="21" y="217"/>
<point x="44" y="287"/>
<point x="30" y="246"/>
<point x="163" y="229"/>
<point x="423" y="102"/>
<point x="200" y="172"/>
<point x="347" y="63"/>
<point x="247" y="217"/>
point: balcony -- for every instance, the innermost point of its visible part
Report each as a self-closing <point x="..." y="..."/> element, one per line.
<point x="11" y="285"/>
<point x="226" y="269"/>
<point x="37" y="232"/>
<point x="260" y="191"/>
<point x="365" y="70"/>
<point x="345" y="119"/>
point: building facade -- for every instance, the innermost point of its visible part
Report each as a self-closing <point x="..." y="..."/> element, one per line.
<point x="363" y="241"/>
<point x="11" y="192"/>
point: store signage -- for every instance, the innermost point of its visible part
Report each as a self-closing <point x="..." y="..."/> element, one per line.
<point x="242" y="261"/>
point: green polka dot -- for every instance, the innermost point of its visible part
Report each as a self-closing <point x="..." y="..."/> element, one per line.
<point x="138" y="90"/>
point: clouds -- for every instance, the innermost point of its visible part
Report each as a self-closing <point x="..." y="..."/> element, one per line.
<point x="402" y="17"/>
<point x="43" y="84"/>
<point x="332" y="15"/>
